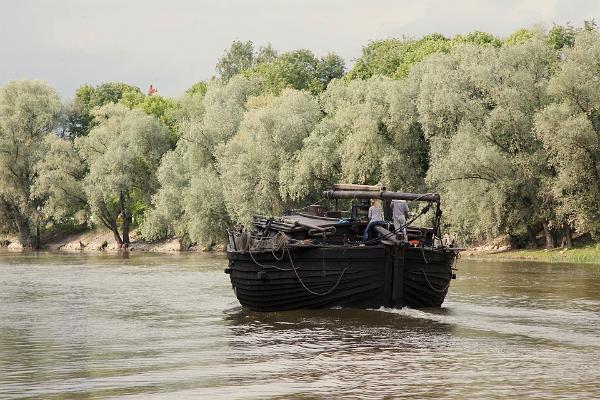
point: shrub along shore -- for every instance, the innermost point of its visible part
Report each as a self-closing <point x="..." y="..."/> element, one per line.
<point x="507" y="130"/>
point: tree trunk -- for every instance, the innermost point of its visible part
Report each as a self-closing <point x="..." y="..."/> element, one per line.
<point x="550" y="244"/>
<point x="568" y="236"/>
<point x="38" y="237"/>
<point x="126" y="221"/>
<point x="126" y="216"/>
<point x="532" y="237"/>
<point x="115" y="232"/>
<point x="24" y="232"/>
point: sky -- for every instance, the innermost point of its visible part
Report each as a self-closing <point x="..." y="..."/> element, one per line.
<point x="173" y="44"/>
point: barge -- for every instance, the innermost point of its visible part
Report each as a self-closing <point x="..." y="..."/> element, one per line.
<point x="317" y="258"/>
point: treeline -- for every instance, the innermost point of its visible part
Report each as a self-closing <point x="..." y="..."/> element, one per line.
<point x="507" y="130"/>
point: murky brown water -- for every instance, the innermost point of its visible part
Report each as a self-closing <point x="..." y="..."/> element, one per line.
<point x="168" y="326"/>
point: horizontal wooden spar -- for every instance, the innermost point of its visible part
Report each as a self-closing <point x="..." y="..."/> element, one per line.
<point x="352" y="186"/>
<point x="340" y="194"/>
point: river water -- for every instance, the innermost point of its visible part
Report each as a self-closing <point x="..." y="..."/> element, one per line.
<point x="168" y="326"/>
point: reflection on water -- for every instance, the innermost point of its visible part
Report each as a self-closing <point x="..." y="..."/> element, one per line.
<point x="168" y="326"/>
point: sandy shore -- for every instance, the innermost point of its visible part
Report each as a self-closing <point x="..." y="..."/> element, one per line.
<point x="100" y="240"/>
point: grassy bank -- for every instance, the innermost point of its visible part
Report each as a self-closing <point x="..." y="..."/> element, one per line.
<point x="589" y="254"/>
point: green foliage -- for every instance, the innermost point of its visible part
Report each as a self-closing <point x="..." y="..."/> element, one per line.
<point x="478" y="38"/>
<point x="570" y="131"/>
<point x="239" y="57"/>
<point x="298" y="69"/>
<point x="28" y="111"/>
<point x="162" y="108"/>
<point x="477" y="107"/>
<point x="204" y="207"/>
<point x="251" y="163"/>
<point x="380" y="57"/>
<point x="329" y="68"/>
<point x="520" y="36"/>
<point x="198" y="88"/>
<point x="369" y="135"/>
<point x="190" y="200"/>
<point x="562" y="36"/>
<point x="60" y="177"/>
<point x="265" y="54"/>
<point x="395" y="57"/>
<point x="87" y="98"/>
<point x="507" y="131"/>
<point x="123" y="152"/>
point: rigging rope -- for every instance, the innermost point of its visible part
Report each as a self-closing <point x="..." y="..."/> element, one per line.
<point x="431" y="286"/>
<point x="284" y="243"/>
<point x="306" y="287"/>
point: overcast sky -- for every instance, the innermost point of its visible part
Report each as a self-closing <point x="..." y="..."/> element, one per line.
<point x="174" y="43"/>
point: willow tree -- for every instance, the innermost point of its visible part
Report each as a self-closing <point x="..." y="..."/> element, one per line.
<point x="570" y="130"/>
<point x="369" y="135"/>
<point x="60" y="174"/>
<point x="28" y="112"/>
<point x="189" y="203"/>
<point x="123" y="151"/>
<point x="476" y="107"/>
<point x="251" y="164"/>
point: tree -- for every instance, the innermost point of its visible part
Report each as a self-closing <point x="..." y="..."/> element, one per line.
<point x="163" y="109"/>
<point x="28" y="111"/>
<point x="238" y="58"/>
<point x="570" y="131"/>
<point x="189" y="203"/>
<point x="369" y="135"/>
<point x="123" y="151"/>
<point x="520" y="36"/>
<point x="60" y="175"/>
<point x="88" y="97"/>
<point x="265" y="54"/>
<point x="395" y="57"/>
<point x="197" y="88"/>
<point x="242" y="56"/>
<point x="299" y="70"/>
<point x="561" y="36"/>
<point x="329" y="68"/>
<point x="379" y="57"/>
<point x="476" y="107"/>
<point x="251" y="163"/>
<point x="478" y="38"/>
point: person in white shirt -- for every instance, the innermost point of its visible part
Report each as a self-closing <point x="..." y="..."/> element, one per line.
<point x="399" y="213"/>
<point x="375" y="218"/>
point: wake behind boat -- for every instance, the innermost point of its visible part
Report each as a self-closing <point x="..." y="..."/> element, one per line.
<point x="318" y="260"/>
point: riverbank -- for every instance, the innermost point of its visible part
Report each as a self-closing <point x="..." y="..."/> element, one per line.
<point x="102" y="240"/>
<point x="587" y="254"/>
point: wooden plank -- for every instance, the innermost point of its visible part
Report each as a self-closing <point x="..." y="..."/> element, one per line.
<point x="342" y="194"/>
<point x="352" y="186"/>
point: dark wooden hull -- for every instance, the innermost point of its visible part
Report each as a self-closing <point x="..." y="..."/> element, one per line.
<point x="353" y="276"/>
